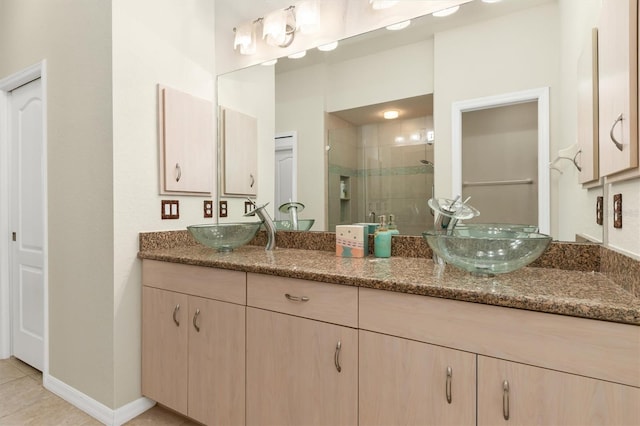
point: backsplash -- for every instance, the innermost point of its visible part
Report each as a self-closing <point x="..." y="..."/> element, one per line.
<point x="621" y="269"/>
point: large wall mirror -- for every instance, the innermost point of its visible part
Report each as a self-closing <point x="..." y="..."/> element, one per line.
<point x="351" y="164"/>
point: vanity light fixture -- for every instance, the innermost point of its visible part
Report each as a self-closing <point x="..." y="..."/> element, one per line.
<point x="446" y="12"/>
<point x="399" y="26"/>
<point x="328" y="47"/>
<point x="279" y="27"/>
<point x="308" y="16"/>
<point x="391" y="114"/>
<point x="382" y="4"/>
<point x="245" y="38"/>
<point x="298" y="55"/>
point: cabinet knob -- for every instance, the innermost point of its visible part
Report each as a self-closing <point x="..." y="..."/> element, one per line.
<point x="505" y="400"/>
<point x="175" y="315"/>
<point x="612" y="136"/>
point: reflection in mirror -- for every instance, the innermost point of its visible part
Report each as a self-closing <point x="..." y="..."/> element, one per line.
<point x="483" y="50"/>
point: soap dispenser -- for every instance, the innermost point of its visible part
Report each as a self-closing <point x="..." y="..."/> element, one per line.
<point x="393" y="228"/>
<point x="382" y="239"/>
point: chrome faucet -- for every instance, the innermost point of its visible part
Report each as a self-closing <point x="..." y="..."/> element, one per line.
<point x="448" y="213"/>
<point x="372" y="217"/>
<point x="268" y="223"/>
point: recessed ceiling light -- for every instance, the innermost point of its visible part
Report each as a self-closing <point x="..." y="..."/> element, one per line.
<point x="391" y="114"/>
<point x="297" y="55"/>
<point x="446" y="12"/>
<point x="328" y="47"/>
<point x="399" y="26"/>
<point x="271" y="62"/>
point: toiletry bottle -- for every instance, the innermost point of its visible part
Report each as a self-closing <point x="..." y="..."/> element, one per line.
<point x="382" y="239"/>
<point x="343" y="190"/>
<point x="393" y="228"/>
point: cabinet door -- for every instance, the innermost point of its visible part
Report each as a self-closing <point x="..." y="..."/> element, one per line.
<point x="297" y="375"/>
<point x="164" y="347"/>
<point x="240" y="153"/>
<point x="413" y="383"/>
<point x="216" y="362"/>
<point x="536" y="396"/>
<point x="187" y="143"/>
<point x="618" y="79"/>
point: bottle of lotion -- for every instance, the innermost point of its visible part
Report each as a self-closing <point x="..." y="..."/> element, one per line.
<point x="382" y="239"/>
<point x="393" y="228"/>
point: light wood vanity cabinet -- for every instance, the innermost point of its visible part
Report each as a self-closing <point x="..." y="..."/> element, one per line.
<point x="193" y="348"/>
<point x="404" y="382"/>
<point x="302" y="352"/>
<point x="513" y="393"/>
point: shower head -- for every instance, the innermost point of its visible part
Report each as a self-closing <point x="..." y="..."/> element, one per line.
<point x="427" y="163"/>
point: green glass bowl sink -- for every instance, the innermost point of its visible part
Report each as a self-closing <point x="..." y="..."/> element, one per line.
<point x="285" y="225"/>
<point x="224" y="236"/>
<point x="486" y="250"/>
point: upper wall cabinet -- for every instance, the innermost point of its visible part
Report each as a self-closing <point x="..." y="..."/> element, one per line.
<point x="240" y="146"/>
<point x="185" y="129"/>
<point x="618" y="86"/>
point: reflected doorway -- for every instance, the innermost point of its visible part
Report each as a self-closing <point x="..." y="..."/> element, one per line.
<point x="285" y="171"/>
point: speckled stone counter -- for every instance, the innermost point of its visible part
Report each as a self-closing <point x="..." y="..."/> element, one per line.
<point x="576" y="293"/>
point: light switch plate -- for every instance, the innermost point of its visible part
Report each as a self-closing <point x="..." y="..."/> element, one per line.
<point x="223" y="209"/>
<point x="617" y="211"/>
<point x="600" y="210"/>
<point x="170" y="209"/>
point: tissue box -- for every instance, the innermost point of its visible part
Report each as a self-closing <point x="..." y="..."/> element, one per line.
<point x="352" y="240"/>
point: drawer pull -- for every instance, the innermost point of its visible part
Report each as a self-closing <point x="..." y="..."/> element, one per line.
<point x="175" y="315"/>
<point x="336" y="356"/>
<point x="195" y="320"/>
<point x="613" y="138"/>
<point x="505" y="400"/>
<point x="448" y="384"/>
<point x="296" y="298"/>
<point x="178" y="172"/>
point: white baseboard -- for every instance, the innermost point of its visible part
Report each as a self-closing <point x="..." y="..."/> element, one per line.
<point x="95" y="409"/>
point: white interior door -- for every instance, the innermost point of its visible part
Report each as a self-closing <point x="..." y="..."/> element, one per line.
<point x="285" y="172"/>
<point x="27" y="222"/>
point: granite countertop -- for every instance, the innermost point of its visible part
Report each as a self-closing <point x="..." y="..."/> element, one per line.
<point x="575" y="293"/>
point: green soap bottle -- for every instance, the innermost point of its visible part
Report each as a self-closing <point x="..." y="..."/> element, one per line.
<point x="393" y="228"/>
<point x="382" y="239"/>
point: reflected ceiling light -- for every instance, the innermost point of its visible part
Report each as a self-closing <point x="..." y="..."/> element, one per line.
<point x="271" y="62"/>
<point x="308" y="16"/>
<point x="382" y="4"/>
<point x="391" y="114"/>
<point x="446" y="12"/>
<point x="399" y="26"/>
<point x="491" y="1"/>
<point x="298" y="55"/>
<point x="415" y="137"/>
<point x="328" y="47"/>
<point x="278" y="27"/>
<point x="399" y="139"/>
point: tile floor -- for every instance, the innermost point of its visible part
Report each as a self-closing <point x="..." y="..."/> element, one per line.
<point x="24" y="401"/>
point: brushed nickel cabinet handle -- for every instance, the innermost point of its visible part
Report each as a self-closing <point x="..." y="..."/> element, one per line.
<point x="613" y="138"/>
<point x="195" y="320"/>
<point x="336" y="356"/>
<point x="505" y="400"/>
<point x="253" y="181"/>
<point x="448" y="384"/>
<point x="178" y="172"/>
<point x="296" y="298"/>
<point x="175" y="315"/>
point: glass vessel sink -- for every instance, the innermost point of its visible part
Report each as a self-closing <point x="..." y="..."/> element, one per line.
<point x="285" y="225"/>
<point x="487" y="249"/>
<point x="224" y="236"/>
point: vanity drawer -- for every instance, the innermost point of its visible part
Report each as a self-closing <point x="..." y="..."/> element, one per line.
<point x="332" y="303"/>
<point x="211" y="283"/>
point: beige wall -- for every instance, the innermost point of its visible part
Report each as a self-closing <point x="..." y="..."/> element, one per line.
<point x="154" y="41"/>
<point x="74" y="36"/>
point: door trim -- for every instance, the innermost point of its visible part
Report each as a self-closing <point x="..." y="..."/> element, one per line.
<point x="7" y="84"/>
<point x="541" y="95"/>
<point x="289" y="140"/>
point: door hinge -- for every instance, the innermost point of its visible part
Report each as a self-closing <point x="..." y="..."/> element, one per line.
<point x="13" y="236"/>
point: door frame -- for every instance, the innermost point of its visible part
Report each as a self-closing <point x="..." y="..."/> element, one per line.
<point x="7" y="84"/>
<point x="541" y="96"/>
<point x="285" y="141"/>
